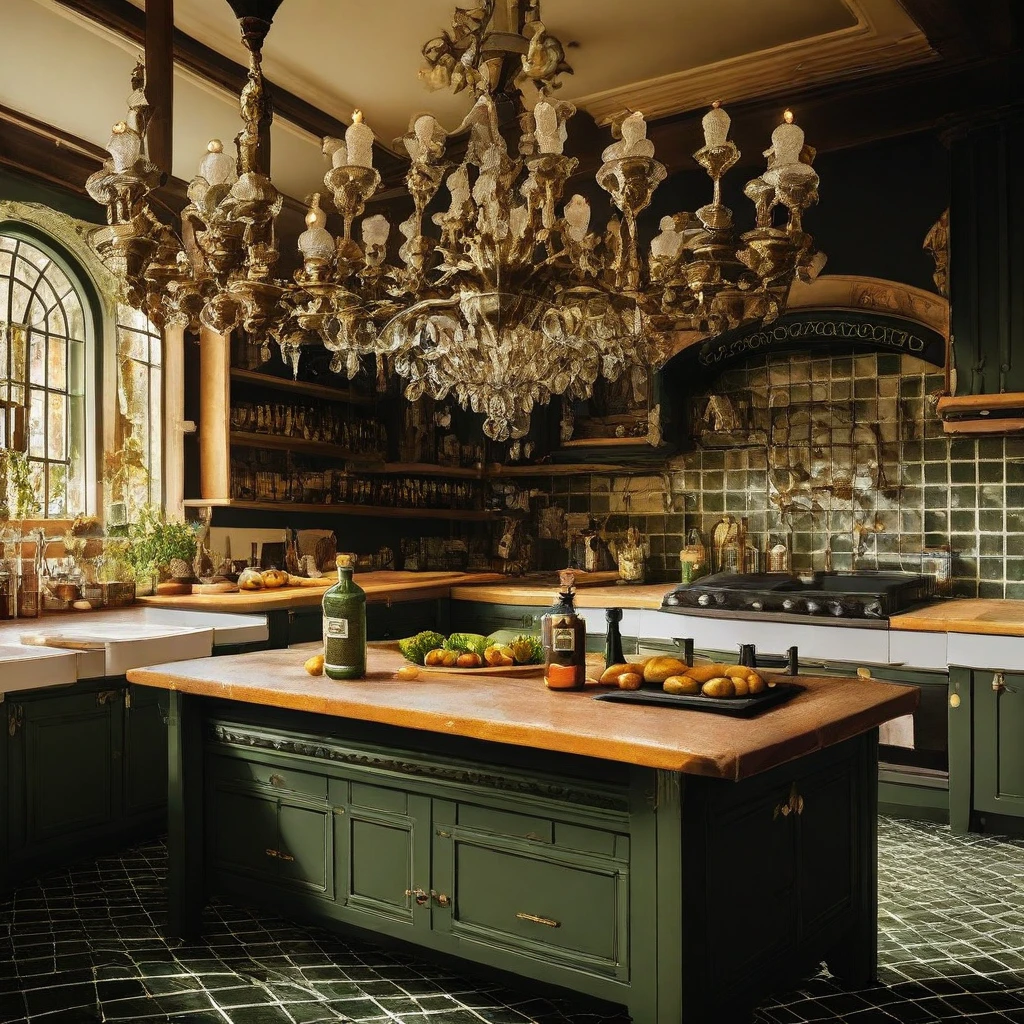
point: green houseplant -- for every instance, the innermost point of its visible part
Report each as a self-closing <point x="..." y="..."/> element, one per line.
<point x="158" y="549"/>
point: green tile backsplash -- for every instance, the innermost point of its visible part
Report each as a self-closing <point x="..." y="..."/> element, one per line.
<point x="843" y="457"/>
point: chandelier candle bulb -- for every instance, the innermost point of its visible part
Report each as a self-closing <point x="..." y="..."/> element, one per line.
<point x="217" y="167"/>
<point x="359" y="142"/>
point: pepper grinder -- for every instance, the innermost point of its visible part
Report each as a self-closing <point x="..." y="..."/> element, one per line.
<point x="613" y="639"/>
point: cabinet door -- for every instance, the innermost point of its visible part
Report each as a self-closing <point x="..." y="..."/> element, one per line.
<point x="999" y="743"/>
<point x="64" y="767"/>
<point x="825" y="835"/>
<point x="145" y="751"/>
<point x="509" y="885"/>
<point x="750" y="914"/>
<point x="281" y="838"/>
<point x="382" y="856"/>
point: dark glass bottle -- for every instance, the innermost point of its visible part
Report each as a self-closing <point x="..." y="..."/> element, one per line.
<point x="613" y="640"/>
<point x="564" y="635"/>
<point x="345" y="625"/>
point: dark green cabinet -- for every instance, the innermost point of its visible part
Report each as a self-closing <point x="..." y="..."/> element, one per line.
<point x="986" y="745"/>
<point x="385" y="620"/>
<point x="270" y="824"/>
<point x="382" y="856"/>
<point x="145" y="744"/>
<point x="85" y="768"/>
<point x="64" y="768"/>
<point x="686" y="898"/>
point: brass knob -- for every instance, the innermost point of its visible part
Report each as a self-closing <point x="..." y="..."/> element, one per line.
<point x="419" y="895"/>
<point x="442" y="899"/>
<point x="999" y="682"/>
<point x="954" y="700"/>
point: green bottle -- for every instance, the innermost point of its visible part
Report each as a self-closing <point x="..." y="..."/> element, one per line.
<point x="345" y="625"/>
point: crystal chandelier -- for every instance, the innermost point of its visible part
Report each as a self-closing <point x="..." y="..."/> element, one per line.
<point x="504" y="297"/>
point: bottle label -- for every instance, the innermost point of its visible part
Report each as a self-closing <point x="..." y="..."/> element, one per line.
<point x="563" y="640"/>
<point x="335" y="629"/>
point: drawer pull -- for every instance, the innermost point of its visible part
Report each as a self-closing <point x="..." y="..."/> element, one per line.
<point x="794" y="805"/>
<point x="276" y="780"/>
<point x="548" y="922"/>
<point x="279" y="855"/>
<point x="999" y="682"/>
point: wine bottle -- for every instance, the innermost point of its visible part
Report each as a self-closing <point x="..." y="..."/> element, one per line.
<point x="345" y="624"/>
<point x="564" y="636"/>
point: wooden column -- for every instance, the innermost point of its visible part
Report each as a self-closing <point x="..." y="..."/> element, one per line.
<point x="174" y="420"/>
<point x="214" y="415"/>
<point x="160" y="79"/>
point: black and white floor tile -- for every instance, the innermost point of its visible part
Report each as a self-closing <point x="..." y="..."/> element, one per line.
<point x="85" y="945"/>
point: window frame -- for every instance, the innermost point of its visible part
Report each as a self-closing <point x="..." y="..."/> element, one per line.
<point x="93" y="322"/>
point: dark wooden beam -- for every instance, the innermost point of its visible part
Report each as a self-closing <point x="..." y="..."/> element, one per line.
<point x="129" y="21"/>
<point x="968" y="28"/>
<point x="159" y="29"/>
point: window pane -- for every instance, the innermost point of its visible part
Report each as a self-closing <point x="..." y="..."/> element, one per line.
<point x="132" y="344"/>
<point x="37" y="423"/>
<point x="20" y="295"/>
<point x="56" y="322"/>
<point x="56" y="446"/>
<point x="57" y="369"/>
<point x="37" y="358"/>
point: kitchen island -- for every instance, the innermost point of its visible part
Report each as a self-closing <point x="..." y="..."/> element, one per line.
<point x="678" y="862"/>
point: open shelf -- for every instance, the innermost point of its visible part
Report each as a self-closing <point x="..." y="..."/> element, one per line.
<point x="498" y="472"/>
<point x="293" y="444"/>
<point x="365" y="465"/>
<point x="301" y="387"/>
<point x="345" y="509"/>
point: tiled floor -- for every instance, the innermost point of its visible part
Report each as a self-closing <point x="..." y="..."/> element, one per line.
<point x="85" y="945"/>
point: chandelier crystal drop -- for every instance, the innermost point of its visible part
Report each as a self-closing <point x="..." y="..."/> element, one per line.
<point x="510" y="293"/>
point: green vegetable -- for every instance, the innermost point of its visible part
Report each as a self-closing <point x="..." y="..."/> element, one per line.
<point x="526" y="649"/>
<point x="466" y="643"/>
<point x="414" y="648"/>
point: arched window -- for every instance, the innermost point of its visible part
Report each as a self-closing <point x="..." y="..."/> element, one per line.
<point x="46" y="327"/>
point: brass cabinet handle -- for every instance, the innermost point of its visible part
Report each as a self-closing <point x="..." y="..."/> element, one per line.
<point x="421" y="897"/>
<point x="999" y="682"/>
<point x="105" y="696"/>
<point x="276" y="780"/>
<point x="548" y="922"/>
<point x="793" y="805"/>
<point x="280" y="855"/>
<point x="442" y="899"/>
<point x="272" y="853"/>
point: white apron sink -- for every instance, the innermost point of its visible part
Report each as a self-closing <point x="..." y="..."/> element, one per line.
<point x="29" y="668"/>
<point x="123" y="645"/>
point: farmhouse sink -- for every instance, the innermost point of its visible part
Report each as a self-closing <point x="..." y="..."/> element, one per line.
<point x="28" y="668"/>
<point x="123" y="645"/>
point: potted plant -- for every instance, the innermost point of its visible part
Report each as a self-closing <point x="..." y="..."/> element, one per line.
<point x="160" y="549"/>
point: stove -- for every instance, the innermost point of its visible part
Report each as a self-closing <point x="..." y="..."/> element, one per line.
<point x="864" y="598"/>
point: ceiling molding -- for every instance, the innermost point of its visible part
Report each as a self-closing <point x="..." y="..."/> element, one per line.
<point x="866" y="46"/>
<point x="128" y="21"/>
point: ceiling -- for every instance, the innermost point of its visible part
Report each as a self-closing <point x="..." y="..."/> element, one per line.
<point x="658" y="56"/>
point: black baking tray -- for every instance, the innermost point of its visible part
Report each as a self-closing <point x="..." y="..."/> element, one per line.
<point x="741" y="707"/>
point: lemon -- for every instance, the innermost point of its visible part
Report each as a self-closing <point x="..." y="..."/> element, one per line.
<point x="315" y="665"/>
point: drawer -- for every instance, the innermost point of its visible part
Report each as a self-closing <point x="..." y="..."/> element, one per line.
<point x="274" y="777"/>
<point x="242" y="833"/>
<point x="559" y="906"/>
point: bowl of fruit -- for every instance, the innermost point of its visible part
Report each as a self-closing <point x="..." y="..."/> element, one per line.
<point x="472" y="652"/>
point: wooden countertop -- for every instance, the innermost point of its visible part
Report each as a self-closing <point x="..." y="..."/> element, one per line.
<point x="992" y="617"/>
<point x="379" y="586"/>
<point x="521" y="711"/>
<point x="624" y="595"/>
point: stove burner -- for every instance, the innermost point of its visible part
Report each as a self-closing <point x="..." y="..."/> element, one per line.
<point x="839" y="595"/>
